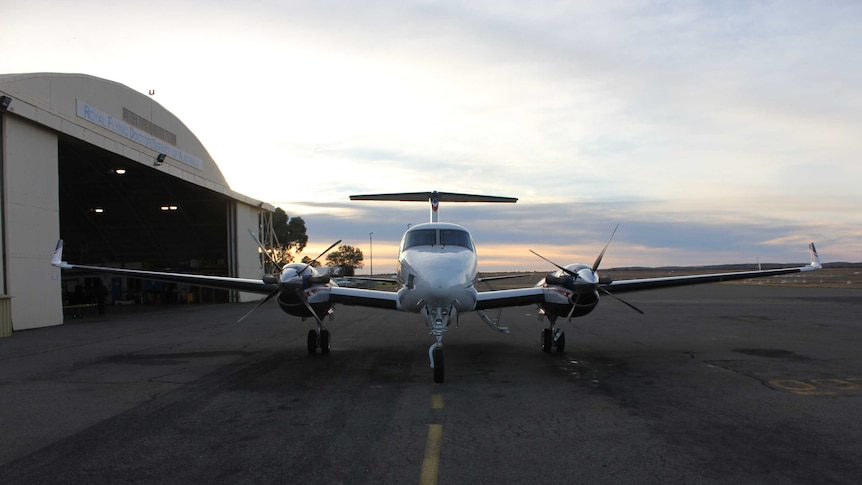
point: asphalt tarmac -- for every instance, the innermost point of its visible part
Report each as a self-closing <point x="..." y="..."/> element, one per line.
<point x="715" y="384"/>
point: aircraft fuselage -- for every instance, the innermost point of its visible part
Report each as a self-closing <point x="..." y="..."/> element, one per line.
<point x="437" y="267"/>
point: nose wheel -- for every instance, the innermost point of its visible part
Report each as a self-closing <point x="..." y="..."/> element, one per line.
<point x="439" y="367"/>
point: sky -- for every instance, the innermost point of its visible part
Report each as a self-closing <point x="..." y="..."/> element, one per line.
<point x="711" y="132"/>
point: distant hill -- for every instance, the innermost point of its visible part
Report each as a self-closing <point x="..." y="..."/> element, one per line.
<point x="732" y="267"/>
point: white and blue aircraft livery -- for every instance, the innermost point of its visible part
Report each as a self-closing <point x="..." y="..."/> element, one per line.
<point x="437" y="273"/>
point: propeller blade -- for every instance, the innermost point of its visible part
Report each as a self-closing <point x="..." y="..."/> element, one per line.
<point x="268" y="297"/>
<point x="621" y="300"/>
<point x="574" y="304"/>
<point x="320" y="256"/>
<point x="301" y="294"/>
<point x="265" y="252"/>
<point x="602" y="254"/>
<point x="565" y="270"/>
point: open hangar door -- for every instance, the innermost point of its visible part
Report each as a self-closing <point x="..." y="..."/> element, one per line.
<point x="114" y="211"/>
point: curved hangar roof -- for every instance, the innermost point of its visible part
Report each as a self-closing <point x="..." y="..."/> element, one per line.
<point x="159" y="214"/>
<point x="123" y="116"/>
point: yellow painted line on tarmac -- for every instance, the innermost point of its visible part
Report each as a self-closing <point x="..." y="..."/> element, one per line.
<point x="436" y="401"/>
<point x="431" y="462"/>
<point x="823" y="386"/>
<point x="796" y="386"/>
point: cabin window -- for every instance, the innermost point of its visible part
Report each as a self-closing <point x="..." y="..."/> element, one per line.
<point x="452" y="237"/>
<point x="422" y="237"/>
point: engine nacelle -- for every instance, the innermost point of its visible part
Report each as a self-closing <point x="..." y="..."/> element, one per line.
<point x="320" y="279"/>
<point x="566" y="281"/>
<point x="301" y="286"/>
<point x="571" y="296"/>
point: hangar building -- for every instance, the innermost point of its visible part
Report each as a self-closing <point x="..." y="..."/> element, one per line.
<point x="123" y="182"/>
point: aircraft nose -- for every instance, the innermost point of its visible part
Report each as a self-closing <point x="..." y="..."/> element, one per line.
<point x="442" y="286"/>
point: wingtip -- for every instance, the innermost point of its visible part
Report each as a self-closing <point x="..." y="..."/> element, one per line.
<point x="57" y="258"/>
<point x="815" y="258"/>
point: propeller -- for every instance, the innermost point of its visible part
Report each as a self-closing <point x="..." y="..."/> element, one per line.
<point x="268" y="297"/>
<point x="301" y="291"/>
<point x="565" y="270"/>
<point x="620" y="300"/>
<point x="304" y="298"/>
<point x="574" y="305"/>
<point x="319" y="256"/>
<point x="286" y="284"/>
<point x="594" y="282"/>
<point x="264" y="251"/>
<point x="602" y="254"/>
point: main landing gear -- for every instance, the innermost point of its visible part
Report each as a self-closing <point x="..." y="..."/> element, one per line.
<point x="318" y="339"/>
<point x="553" y="337"/>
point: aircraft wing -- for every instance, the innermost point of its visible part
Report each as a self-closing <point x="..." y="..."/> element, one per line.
<point x="363" y="297"/>
<point x="623" y="286"/>
<point x="500" y="277"/>
<point x="220" y="282"/>
<point x="505" y="298"/>
<point x="389" y="299"/>
<point x="391" y="279"/>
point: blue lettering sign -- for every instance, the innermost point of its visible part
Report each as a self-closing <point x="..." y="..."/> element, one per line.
<point x="127" y="131"/>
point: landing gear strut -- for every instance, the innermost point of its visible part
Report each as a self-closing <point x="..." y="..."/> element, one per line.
<point x="438" y="320"/>
<point x="553" y="337"/>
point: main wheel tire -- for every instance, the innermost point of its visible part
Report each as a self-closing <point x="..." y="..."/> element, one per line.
<point x="312" y="342"/>
<point x="561" y="342"/>
<point x="547" y="340"/>
<point x="439" y="366"/>
<point x="324" y="342"/>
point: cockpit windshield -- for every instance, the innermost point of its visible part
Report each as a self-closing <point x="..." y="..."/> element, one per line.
<point x="433" y="237"/>
<point x="424" y="237"/>
<point x="454" y="237"/>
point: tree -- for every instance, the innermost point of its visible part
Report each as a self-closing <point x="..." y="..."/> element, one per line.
<point x="347" y="257"/>
<point x="311" y="262"/>
<point x="289" y="231"/>
<point x="291" y="236"/>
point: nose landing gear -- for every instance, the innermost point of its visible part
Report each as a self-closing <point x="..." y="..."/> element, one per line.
<point x="438" y="319"/>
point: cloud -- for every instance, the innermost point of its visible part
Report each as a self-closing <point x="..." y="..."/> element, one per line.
<point x="712" y="132"/>
<point x="647" y="236"/>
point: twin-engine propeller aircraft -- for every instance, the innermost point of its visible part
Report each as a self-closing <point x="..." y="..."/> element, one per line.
<point x="437" y="278"/>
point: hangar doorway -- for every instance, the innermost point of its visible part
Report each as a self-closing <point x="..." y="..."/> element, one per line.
<point x="114" y="211"/>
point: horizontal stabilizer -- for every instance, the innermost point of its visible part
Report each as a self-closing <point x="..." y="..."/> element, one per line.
<point x="440" y="196"/>
<point x="434" y="198"/>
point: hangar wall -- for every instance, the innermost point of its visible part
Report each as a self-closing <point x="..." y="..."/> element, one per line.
<point x="47" y="106"/>
<point x="31" y="222"/>
<point x="247" y="218"/>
